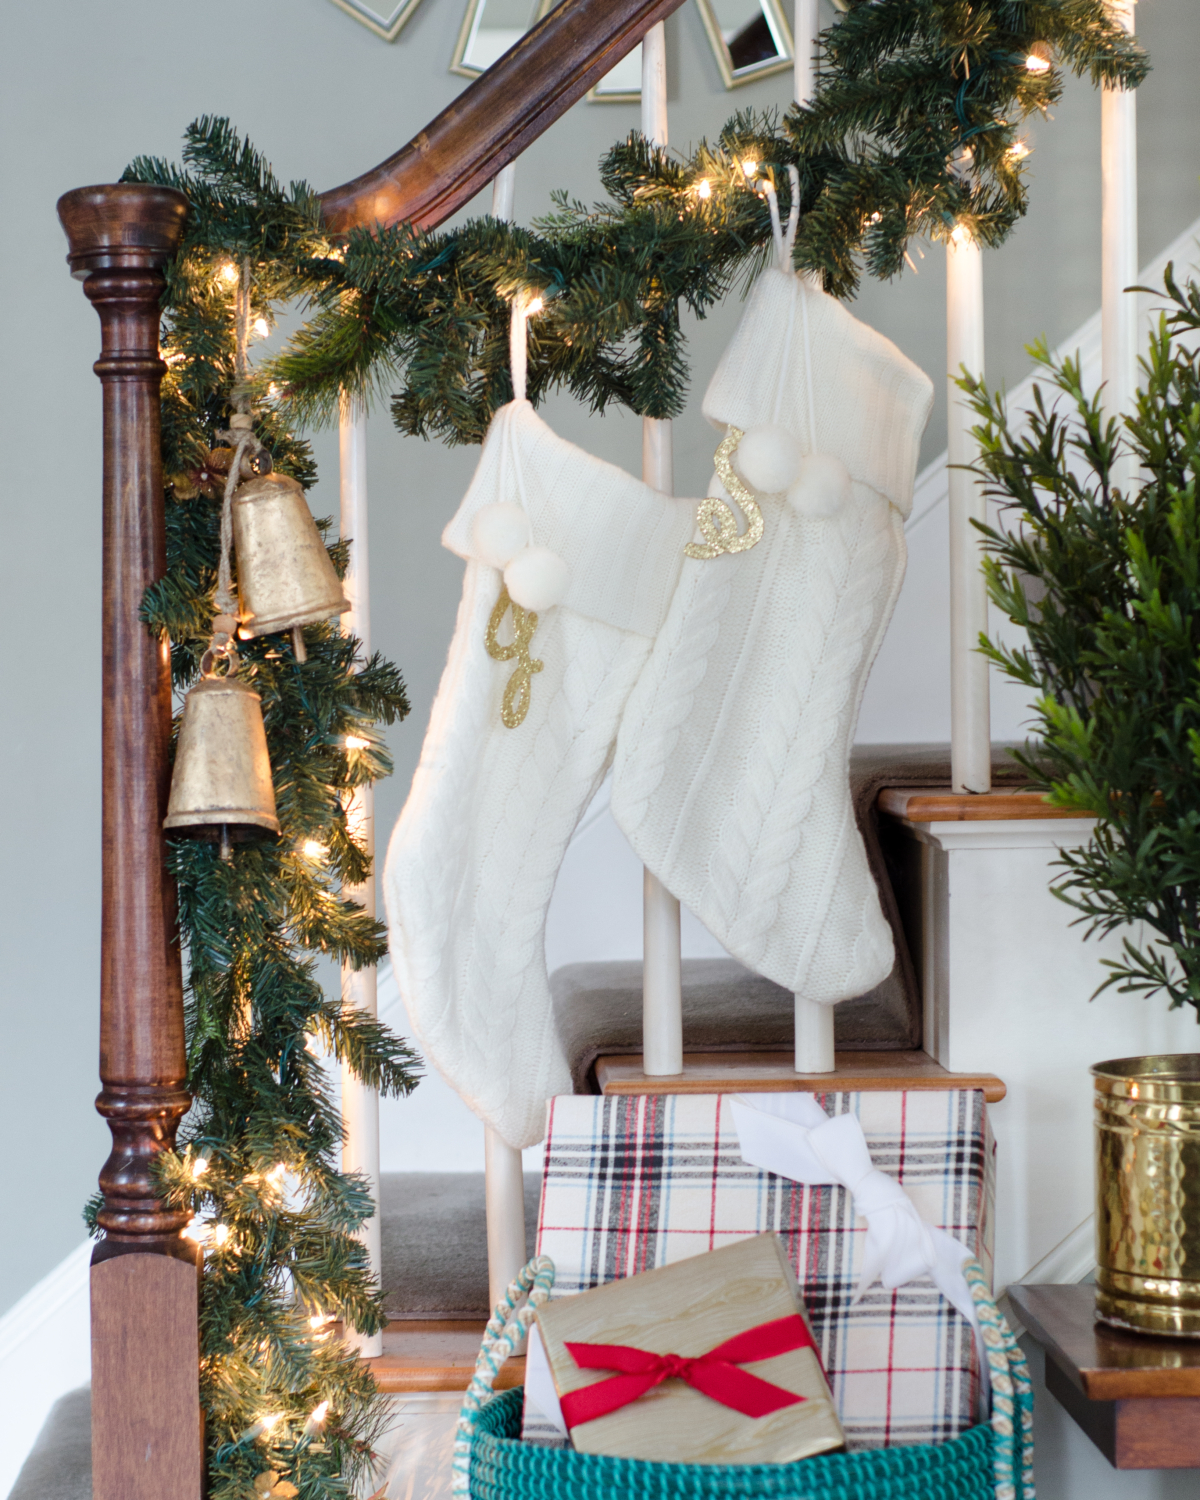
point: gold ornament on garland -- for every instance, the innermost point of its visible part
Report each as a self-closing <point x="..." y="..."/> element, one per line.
<point x="285" y="577"/>
<point x="269" y="1485"/>
<point x="221" y="785"/>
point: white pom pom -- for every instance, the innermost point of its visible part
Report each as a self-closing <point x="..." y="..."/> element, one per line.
<point x="499" y="532"/>
<point x="768" y="459"/>
<point x="822" y="486"/>
<point x="537" y="578"/>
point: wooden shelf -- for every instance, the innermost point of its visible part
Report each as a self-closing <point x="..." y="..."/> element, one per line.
<point x="1136" y="1396"/>
<point x="946" y="806"/>
<point x="435" y="1356"/>
<point x="775" y="1073"/>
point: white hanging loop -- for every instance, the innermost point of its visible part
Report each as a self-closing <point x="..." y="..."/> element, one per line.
<point x="793" y="223"/>
<point x="776" y="227"/>
<point x="523" y="305"/>
<point x="784" y="239"/>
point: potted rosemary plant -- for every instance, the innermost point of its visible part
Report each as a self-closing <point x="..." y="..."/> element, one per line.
<point x="1104" y="578"/>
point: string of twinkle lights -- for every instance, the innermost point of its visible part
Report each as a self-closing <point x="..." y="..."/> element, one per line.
<point x="913" y="132"/>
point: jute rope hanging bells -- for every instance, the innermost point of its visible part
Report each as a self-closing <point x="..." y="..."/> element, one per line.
<point x="285" y="577"/>
<point x="221" y="786"/>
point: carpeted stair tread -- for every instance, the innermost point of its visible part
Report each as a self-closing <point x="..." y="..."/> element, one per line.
<point x="434" y="1231"/>
<point x="59" y="1466"/>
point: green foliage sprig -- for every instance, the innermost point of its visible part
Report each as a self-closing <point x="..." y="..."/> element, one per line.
<point x="911" y="133"/>
<point x="913" y="126"/>
<point x="1105" y="581"/>
<point x="257" y="1157"/>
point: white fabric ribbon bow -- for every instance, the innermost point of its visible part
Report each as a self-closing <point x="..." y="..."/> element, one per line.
<point x="792" y="1136"/>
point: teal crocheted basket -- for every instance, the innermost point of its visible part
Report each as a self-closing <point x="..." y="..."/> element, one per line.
<point x="504" y="1468"/>
<point x="988" y="1462"/>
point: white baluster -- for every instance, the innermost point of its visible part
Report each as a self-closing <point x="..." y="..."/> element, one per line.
<point x="360" y="1105"/>
<point x="805" y="33"/>
<point x="662" y="995"/>
<point x="970" y="708"/>
<point x="814" y="1023"/>
<point x="504" y="1186"/>
<point x="1119" y="249"/>
<point x="505" y="1198"/>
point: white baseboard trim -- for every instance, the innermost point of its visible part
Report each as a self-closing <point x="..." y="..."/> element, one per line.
<point x="45" y="1351"/>
<point x="1071" y="1260"/>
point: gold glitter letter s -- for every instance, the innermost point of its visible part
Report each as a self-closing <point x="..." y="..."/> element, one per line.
<point x="519" y="688"/>
<point x="717" y="523"/>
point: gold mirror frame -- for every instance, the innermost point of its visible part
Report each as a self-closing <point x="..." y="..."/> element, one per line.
<point x="390" y="28"/>
<point x="598" y="94"/>
<point x="458" y="63"/>
<point x="782" y="33"/>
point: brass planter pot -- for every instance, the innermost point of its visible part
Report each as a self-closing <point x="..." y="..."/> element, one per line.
<point x="1148" y="1193"/>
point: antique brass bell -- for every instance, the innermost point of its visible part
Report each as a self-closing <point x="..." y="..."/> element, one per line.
<point x="221" y="786"/>
<point x="285" y="577"/>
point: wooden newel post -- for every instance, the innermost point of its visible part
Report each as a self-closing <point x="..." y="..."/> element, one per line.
<point x="146" y="1437"/>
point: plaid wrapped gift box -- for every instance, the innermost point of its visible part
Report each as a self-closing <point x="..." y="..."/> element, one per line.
<point x="635" y="1182"/>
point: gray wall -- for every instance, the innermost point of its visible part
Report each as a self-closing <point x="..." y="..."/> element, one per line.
<point x="87" y="87"/>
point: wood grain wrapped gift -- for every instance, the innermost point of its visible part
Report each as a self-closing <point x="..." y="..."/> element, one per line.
<point x="687" y="1310"/>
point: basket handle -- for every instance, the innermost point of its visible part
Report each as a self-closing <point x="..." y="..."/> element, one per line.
<point x="506" y="1328"/>
<point x="1012" y="1392"/>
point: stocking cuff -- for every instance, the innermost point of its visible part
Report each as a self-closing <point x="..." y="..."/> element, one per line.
<point x="621" y="540"/>
<point x="870" y="403"/>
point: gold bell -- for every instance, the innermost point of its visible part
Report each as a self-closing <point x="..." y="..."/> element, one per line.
<point x="285" y="577"/>
<point x="221" y="786"/>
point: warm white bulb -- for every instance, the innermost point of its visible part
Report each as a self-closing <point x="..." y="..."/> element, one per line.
<point x="1036" y="64"/>
<point x="220" y="1234"/>
<point x="268" y="1422"/>
<point x="314" y="850"/>
<point x="262" y="327"/>
<point x="534" y="306"/>
<point x="356" y="742"/>
<point x="750" y="167"/>
<point x="1018" y="151"/>
<point x="200" y="1166"/>
<point x="961" y="234"/>
<point x="229" y="273"/>
<point x="704" y="188"/>
<point x="316" y="1418"/>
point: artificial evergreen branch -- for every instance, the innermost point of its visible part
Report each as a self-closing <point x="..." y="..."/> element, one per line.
<point x="1105" y="582"/>
<point x="256" y="1163"/>
<point x="913" y="132"/>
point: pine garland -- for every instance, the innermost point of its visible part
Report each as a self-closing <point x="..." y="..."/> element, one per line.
<point x="288" y="1409"/>
<point x="1105" y="581"/>
<point x="911" y="133"/>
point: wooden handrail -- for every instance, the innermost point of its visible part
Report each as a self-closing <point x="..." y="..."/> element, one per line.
<point x="495" y="117"/>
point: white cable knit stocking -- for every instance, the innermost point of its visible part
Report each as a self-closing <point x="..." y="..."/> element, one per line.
<point x="731" y="768"/>
<point x="476" y="852"/>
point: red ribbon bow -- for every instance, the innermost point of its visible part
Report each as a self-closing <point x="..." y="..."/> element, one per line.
<point x="715" y="1374"/>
